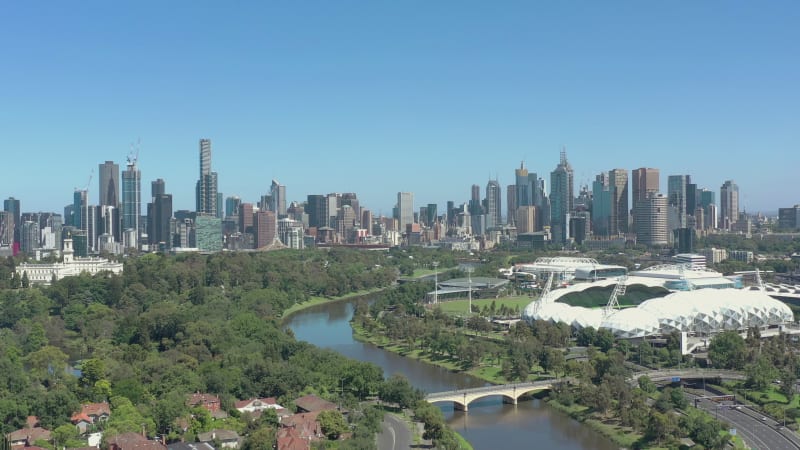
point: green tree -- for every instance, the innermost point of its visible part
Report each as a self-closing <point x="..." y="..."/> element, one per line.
<point x="398" y="390"/>
<point x="332" y="423"/>
<point x="727" y="350"/>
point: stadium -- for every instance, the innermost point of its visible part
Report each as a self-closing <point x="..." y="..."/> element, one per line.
<point x="693" y="300"/>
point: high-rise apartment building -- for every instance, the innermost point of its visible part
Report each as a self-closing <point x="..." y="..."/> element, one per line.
<point x="728" y="204"/>
<point x="207" y="188"/>
<point x="108" y="184"/>
<point x="6" y="228"/>
<point x="618" y="179"/>
<point x="131" y="200"/>
<point x="405" y="208"/>
<point x="494" y="211"/>
<point x="562" y="182"/>
<point x="651" y="220"/>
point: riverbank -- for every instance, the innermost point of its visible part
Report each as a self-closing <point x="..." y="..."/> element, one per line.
<point x="315" y="300"/>
<point x="489" y="373"/>
<point x="621" y="436"/>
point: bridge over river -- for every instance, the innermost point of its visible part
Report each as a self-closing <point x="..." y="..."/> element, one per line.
<point x="511" y="393"/>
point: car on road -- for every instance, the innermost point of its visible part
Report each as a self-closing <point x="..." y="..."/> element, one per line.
<point x="763" y="419"/>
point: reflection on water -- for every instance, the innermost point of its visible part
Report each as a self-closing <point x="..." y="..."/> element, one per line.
<point x="489" y="424"/>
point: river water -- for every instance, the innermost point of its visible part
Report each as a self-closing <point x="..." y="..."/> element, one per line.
<point x="489" y="424"/>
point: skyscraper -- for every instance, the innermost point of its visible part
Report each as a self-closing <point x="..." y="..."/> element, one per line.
<point x="12" y="205"/>
<point x="232" y="206"/>
<point x="494" y="212"/>
<point x="317" y="213"/>
<point x="644" y="182"/>
<point x="265" y="228"/>
<point x="511" y="203"/>
<point x="728" y="204"/>
<point x="207" y="184"/>
<point x="131" y="200"/>
<point x="109" y="184"/>
<point x="278" y="193"/>
<point x="523" y="187"/>
<point x="159" y="215"/>
<point x="651" y="220"/>
<point x="618" y="179"/>
<point x="676" y="197"/>
<point x="405" y="208"/>
<point x="601" y="205"/>
<point x="561" y="198"/>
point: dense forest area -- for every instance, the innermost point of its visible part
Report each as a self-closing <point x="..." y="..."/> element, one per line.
<point x="174" y="325"/>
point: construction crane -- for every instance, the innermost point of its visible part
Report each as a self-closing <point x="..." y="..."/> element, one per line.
<point x="613" y="302"/>
<point x="133" y="155"/>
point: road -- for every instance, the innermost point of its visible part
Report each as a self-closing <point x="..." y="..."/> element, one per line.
<point x="395" y="434"/>
<point x="757" y="433"/>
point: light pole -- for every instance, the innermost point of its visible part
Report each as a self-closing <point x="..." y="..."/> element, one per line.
<point x="469" y="277"/>
<point x="435" y="283"/>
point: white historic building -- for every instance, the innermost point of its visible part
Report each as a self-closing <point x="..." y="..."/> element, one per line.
<point x="44" y="273"/>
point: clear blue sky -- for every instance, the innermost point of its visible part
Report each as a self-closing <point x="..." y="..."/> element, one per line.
<point x="376" y="97"/>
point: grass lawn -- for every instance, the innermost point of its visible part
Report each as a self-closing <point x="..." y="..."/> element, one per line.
<point x="461" y="306"/>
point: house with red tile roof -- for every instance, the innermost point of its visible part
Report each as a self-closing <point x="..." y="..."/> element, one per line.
<point x="90" y="414"/>
<point x="208" y="401"/>
<point x="133" y="441"/>
<point x="305" y="424"/>
<point x="290" y="439"/>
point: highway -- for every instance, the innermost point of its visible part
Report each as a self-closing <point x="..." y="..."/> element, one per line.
<point x="757" y="433"/>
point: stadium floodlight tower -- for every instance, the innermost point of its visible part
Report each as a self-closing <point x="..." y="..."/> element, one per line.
<point x="435" y="283"/>
<point x="545" y="292"/>
<point x="613" y="302"/>
<point x="470" y="269"/>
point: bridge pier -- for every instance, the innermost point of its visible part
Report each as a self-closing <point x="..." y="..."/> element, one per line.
<point x="509" y="400"/>
<point x="460" y="407"/>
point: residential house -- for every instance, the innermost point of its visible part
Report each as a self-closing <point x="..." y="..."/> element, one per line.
<point x="133" y="441"/>
<point x="226" y="438"/>
<point x="90" y="414"/>
<point x="207" y="401"/>
<point x="306" y="425"/>
<point x="27" y="436"/>
<point x="190" y="446"/>
<point x="290" y="439"/>
<point x="313" y="403"/>
<point x="257" y="404"/>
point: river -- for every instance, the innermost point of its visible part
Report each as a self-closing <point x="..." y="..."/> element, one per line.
<point x="489" y="424"/>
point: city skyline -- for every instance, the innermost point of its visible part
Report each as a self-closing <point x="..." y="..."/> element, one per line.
<point x="326" y="100"/>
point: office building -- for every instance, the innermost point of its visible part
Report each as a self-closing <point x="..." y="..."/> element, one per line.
<point x="108" y="184"/>
<point x="278" y="201"/>
<point x="561" y="198"/>
<point x="232" y="206"/>
<point x="618" y="180"/>
<point x="511" y="203"/>
<point x="644" y="182"/>
<point x="789" y="218"/>
<point x="729" y="204"/>
<point x="651" y="221"/>
<point x="405" y="209"/>
<point x="602" y="204"/>
<point x="676" y="196"/>
<point x="30" y="237"/>
<point x="208" y="233"/>
<point x="159" y="217"/>
<point x="207" y="189"/>
<point x="265" y="228"/>
<point x="526" y="219"/>
<point x="12" y="206"/>
<point x="316" y="207"/>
